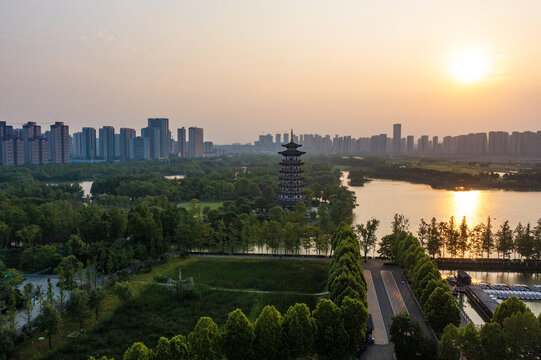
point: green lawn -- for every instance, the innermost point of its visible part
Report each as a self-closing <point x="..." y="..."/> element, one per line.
<point x="213" y="205"/>
<point x="304" y="276"/>
<point x="156" y="312"/>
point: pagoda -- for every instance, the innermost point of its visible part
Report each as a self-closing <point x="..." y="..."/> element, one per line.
<point x="291" y="180"/>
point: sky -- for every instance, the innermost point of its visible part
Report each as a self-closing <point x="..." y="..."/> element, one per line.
<point x="240" y="69"/>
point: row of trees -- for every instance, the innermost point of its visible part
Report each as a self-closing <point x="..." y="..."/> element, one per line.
<point x="448" y="239"/>
<point x="512" y="333"/>
<point x="433" y="294"/>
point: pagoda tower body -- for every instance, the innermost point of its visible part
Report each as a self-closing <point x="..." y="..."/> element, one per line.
<point x="291" y="180"/>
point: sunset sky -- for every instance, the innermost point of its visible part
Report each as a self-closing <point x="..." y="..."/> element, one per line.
<point x="243" y="68"/>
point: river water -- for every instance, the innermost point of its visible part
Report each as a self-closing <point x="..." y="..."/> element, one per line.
<point x="382" y="199"/>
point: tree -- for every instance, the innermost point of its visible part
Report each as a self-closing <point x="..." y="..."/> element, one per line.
<point x="463" y="237"/>
<point x="469" y="341"/>
<point x="434" y="241"/>
<point x="441" y="309"/>
<point x="355" y="316"/>
<point x="448" y="346"/>
<point x="523" y="333"/>
<point x="386" y="245"/>
<point x="400" y="224"/>
<point x="451" y="237"/>
<point x="175" y="349"/>
<point x="138" y="351"/>
<point x="507" y="308"/>
<point x="49" y="320"/>
<point x="28" y="305"/>
<point x="204" y="340"/>
<point x="66" y="271"/>
<point x="298" y="332"/>
<point x="28" y="236"/>
<point x="504" y="240"/>
<point x="268" y="334"/>
<point x="367" y="235"/>
<point x="493" y="342"/>
<point x="537" y="241"/>
<point x="77" y="307"/>
<point x="331" y="337"/>
<point x="50" y="291"/>
<point x="237" y="336"/>
<point x="524" y="241"/>
<point x="422" y="232"/>
<point x="406" y="336"/>
<point x="487" y="238"/>
<point x="96" y="297"/>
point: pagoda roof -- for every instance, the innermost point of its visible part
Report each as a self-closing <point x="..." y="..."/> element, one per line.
<point x="291" y="150"/>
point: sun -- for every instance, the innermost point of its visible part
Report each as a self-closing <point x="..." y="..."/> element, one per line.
<point x="470" y="66"/>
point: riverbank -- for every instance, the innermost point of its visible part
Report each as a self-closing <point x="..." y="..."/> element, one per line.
<point x="525" y="266"/>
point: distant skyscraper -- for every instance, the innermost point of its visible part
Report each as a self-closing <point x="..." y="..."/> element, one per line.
<point x="286" y="138"/>
<point x="435" y="144"/>
<point x="181" y="140"/>
<point x="397" y="136"/>
<point x="196" y="142"/>
<point x="278" y="139"/>
<point x="59" y="143"/>
<point x="124" y="142"/>
<point x="107" y="143"/>
<point x="88" y="143"/>
<point x="34" y="143"/>
<point x="140" y="148"/>
<point x="153" y="136"/>
<point x="498" y="143"/>
<point x="12" y="150"/>
<point x="422" y="144"/>
<point x="165" y="135"/>
<point x="208" y="148"/>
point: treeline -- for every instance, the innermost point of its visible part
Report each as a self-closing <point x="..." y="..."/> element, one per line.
<point x="452" y="179"/>
<point x="513" y="333"/>
<point x="447" y="239"/>
<point x="422" y="273"/>
<point x="335" y="329"/>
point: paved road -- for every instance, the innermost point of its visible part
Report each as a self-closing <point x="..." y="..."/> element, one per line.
<point x="389" y="296"/>
<point x="379" y="334"/>
<point x="411" y="302"/>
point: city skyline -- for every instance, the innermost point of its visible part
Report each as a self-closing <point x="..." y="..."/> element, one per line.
<point x="348" y="67"/>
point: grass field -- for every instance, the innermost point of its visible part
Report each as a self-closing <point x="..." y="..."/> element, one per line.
<point x="213" y="205"/>
<point x="155" y="312"/>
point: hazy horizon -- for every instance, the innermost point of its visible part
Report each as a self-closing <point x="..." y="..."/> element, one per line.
<point x="243" y="68"/>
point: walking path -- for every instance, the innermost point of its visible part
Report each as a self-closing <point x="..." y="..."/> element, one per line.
<point x="253" y="291"/>
<point x="397" y="302"/>
<point x="380" y="335"/>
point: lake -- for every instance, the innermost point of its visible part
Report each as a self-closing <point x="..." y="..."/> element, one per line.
<point x="382" y="199"/>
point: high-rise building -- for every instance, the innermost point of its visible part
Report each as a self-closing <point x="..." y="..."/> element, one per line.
<point x="397" y="136"/>
<point x="498" y="143"/>
<point x="124" y="142"/>
<point x="410" y="144"/>
<point x="88" y="143"/>
<point x="208" y="148"/>
<point x="140" y="148"/>
<point x="435" y="144"/>
<point x="196" y="142"/>
<point x="286" y="138"/>
<point x="165" y="135"/>
<point x="34" y="153"/>
<point x="422" y="144"/>
<point x="12" y="150"/>
<point x="181" y="142"/>
<point x="59" y="143"/>
<point x="278" y="139"/>
<point x="107" y="143"/>
<point x="153" y="136"/>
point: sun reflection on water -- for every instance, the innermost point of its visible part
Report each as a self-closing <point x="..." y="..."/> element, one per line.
<point x="468" y="204"/>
